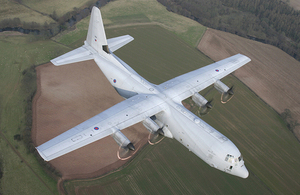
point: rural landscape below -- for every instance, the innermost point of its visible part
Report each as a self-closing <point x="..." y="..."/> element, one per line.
<point x="39" y="101"/>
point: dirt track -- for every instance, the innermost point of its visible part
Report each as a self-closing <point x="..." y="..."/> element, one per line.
<point x="272" y="74"/>
<point x="68" y="95"/>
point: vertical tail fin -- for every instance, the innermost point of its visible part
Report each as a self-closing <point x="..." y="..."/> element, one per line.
<point x="96" y="39"/>
<point x="96" y="35"/>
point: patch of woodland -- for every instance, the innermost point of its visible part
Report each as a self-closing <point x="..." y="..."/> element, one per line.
<point x="269" y="21"/>
<point x="290" y="122"/>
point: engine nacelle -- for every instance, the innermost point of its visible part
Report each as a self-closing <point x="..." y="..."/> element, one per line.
<point x="150" y="125"/>
<point x="221" y="87"/>
<point x="122" y="140"/>
<point x="199" y="99"/>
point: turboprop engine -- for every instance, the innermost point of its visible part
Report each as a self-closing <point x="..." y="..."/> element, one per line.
<point x="200" y="100"/>
<point x="203" y="103"/>
<point x="122" y="140"/>
<point x="154" y="129"/>
<point x="227" y="93"/>
<point x="152" y="126"/>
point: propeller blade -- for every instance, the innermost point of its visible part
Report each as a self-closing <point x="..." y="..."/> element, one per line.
<point x="230" y="91"/>
<point x="206" y="108"/>
<point x="160" y="132"/>
<point x="156" y="137"/>
<point x="209" y="105"/>
<point x="225" y="97"/>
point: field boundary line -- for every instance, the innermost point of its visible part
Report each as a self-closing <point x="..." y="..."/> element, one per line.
<point x="59" y="44"/>
<point x="19" y="2"/>
<point x="27" y="164"/>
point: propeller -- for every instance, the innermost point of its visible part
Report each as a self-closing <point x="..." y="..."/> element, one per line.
<point x="230" y="91"/>
<point x="156" y="137"/>
<point x="206" y="108"/>
<point x="124" y="153"/>
<point x="226" y="96"/>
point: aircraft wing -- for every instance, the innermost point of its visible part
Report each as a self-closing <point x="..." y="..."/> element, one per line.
<point x="118" y="117"/>
<point x="187" y="84"/>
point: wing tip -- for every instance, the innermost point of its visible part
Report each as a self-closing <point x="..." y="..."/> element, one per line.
<point x="245" y="57"/>
<point x="54" y="62"/>
<point x="42" y="154"/>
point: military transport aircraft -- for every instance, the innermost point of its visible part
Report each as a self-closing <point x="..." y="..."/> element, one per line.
<point x="158" y="107"/>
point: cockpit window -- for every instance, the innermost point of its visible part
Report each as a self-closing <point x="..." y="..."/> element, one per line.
<point x="240" y="158"/>
<point x="231" y="159"/>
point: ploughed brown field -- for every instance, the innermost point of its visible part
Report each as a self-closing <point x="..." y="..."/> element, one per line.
<point x="272" y="74"/>
<point x="68" y="95"/>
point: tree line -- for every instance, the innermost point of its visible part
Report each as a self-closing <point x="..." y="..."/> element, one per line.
<point x="290" y="122"/>
<point x="28" y="86"/>
<point x="269" y="21"/>
<point x="48" y="30"/>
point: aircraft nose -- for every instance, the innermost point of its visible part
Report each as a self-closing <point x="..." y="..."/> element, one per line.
<point x="243" y="172"/>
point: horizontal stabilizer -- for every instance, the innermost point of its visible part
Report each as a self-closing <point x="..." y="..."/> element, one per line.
<point x="118" y="42"/>
<point x="77" y="55"/>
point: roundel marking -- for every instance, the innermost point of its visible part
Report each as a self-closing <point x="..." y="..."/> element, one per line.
<point x="217" y="70"/>
<point x="96" y="128"/>
<point x="115" y="80"/>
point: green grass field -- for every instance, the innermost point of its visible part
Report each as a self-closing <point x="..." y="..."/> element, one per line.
<point x="60" y="7"/>
<point x="39" y="10"/>
<point x="158" y="50"/>
<point x="21" y="172"/>
<point x="128" y="13"/>
<point x="187" y="29"/>
<point x="271" y="152"/>
<point x="12" y="9"/>
<point x="168" y="168"/>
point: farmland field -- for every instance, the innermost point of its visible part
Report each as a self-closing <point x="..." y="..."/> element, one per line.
<point x="167" y="168"/>
<point x="273" y="75"/>
<point x="12" y="9"/>
<point x="159" y="50"/>
<point x="18" y="53"/>
<point x="127" y="13"/>
<point x="60" y="7"/>
<point x="252" y="125"/>
<point x="271" y="152"/>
